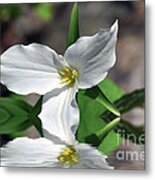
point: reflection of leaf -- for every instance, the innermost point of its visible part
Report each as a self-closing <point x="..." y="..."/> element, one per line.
<point x="16" y="96"/>
<point x="124" y="104"/>
<point x="90" y="113"/>
<point x="128" y="102"/>
<point x="110" y="143"/>
<point x="131" y="100"/>
<point x="17" y="115"/>
<point x="73" y="33"/>
<point x="97" y="137"/>
<point x="90" y="122"/>
<point x="131" y="132"/>
<point x="34" y="116"/>
<point x="13" y="117"/>
<point x="102" y="133"/>
<point x="45" y="11"/>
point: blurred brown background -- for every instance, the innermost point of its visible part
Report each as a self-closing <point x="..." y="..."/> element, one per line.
<point x="48" y="24"/>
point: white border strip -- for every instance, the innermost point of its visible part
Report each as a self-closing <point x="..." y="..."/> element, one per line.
<point x="43" y="1"/>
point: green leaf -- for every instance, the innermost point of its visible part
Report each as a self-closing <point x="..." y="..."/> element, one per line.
<point x="16" y="96"/>
<point x="131" y="132"/>
<point x="90" y="122"/>
<point x="15" y="107"/>
<point x="37" y="107"/>
<point x="17" y="134"/>
<point x="37" y="123"/>
<point x="17" y="115"/>
<point x="110" y="89"/>
<point x="13" y="117"/>
<point x="3" y="115"/>
<point x="73" y="33"/>
<point x="33" y="116"/>
<point x="125" y="104"/>
<point x="14" y="124"/>
<point x="98" y="137"/>
<point x="99" y="96"/>
<point x="131" y="100"/>
<point x="101" y="134"/>
<point x="110" y="143"/>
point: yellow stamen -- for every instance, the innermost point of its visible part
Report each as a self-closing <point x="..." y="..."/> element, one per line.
<point x="69" y="82"/>
<point x="67" y="69"/>
<point x="69" y="156"/>
<point x="65" y="79"/>
<point x="62" y="73"/>
<point x="68" y="75"/>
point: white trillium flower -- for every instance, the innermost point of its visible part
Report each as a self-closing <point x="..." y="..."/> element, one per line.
<point x="42" y="152"/>
<point x="38" y="69"/>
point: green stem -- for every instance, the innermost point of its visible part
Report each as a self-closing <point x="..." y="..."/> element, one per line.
<point x="110" y="126"/>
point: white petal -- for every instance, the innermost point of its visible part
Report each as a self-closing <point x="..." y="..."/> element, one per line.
<point x="91" y="158"/>
<point x="31" y="69"/>
<point x="93" y="56"/>
<point x="60" y="115"/>
<point x="25" y="152"/>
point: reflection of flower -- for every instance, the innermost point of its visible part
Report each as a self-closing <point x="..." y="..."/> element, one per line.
<point x="39" y="69"/>
<point x="43" y="152"/>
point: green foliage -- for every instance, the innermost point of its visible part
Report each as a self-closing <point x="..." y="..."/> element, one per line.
<point x="110" y="89"/>
<point x="13" y="115"/>
<point x="73" y="33"/>
<point x="98" y="95"/>
<point x="128" y="102"/>
<point x="91" y="110"/>
<point x="17" y="115"/>
<point x="110" y="143"/>
<point x="90" y="120"/>
<point x="130" y="132"/>
<point x="90" y="123"/>
<point x="125" y="104"/>
<point x="131" y="100"/>
<point x="109" y="127"/>
<point x="33" y="116"/>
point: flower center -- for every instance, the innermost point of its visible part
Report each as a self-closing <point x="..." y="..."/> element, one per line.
<point x="68" y="75"/>
<point x="69" y="156"/>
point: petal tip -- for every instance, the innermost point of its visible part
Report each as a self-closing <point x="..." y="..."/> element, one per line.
<point x="114" y="27"/>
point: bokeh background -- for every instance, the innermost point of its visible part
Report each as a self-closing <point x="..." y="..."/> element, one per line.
<point x="48" y="24"/>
